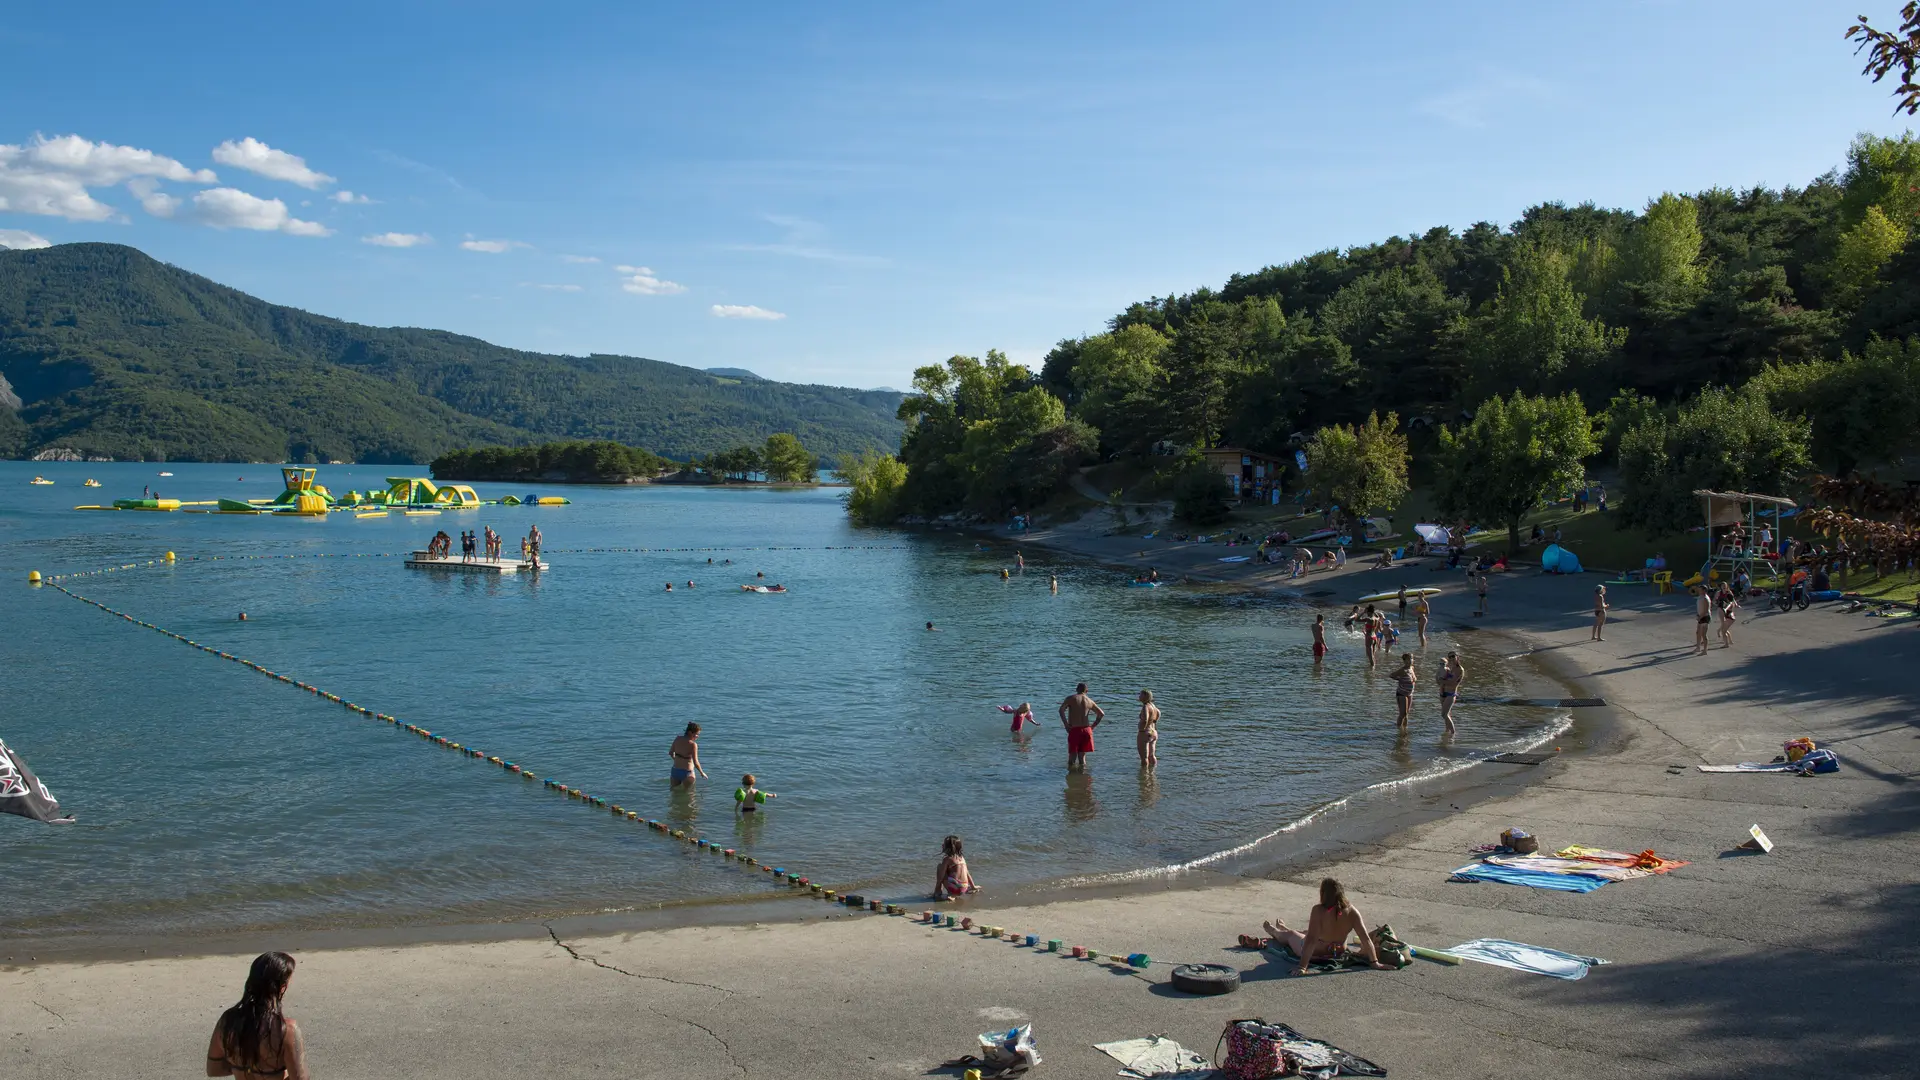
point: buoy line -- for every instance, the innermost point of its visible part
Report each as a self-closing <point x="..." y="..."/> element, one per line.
<point x="780" y="874"/>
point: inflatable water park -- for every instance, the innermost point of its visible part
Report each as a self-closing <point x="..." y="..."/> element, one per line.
<point x="303" y="497"/>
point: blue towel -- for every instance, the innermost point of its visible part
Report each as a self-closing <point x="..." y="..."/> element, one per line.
<point x="1538" y="879"/>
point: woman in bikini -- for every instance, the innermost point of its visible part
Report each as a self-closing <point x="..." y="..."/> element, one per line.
<point x="952" y="878"/>
<point x="685" y="753"/>
<point x="1729" y="607"/>
<point x="253" y="1040"/>
<point x="1148" y="738"/>
<point x="1451" y="676"/>
<point x="1332" y="922"/>
<point x="1599" y="611"/>
<point x="1403" y="687"/>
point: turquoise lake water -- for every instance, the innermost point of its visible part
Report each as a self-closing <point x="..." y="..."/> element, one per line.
<point x="213" y="799"/>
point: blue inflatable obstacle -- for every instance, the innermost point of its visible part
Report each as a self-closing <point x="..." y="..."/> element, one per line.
<point x="1558" y="560"/>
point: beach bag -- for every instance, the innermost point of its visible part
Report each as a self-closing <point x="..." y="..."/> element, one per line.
<point x="1392" y="950"/>
<point x="1817" y="761"/>
<point x="1253" y="1053"/>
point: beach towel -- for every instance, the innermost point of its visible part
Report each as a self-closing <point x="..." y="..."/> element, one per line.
<point x="1646" y="860"/>
<point x="1750" y="766"/>
<point x="1529" y="958"/>
<point x="1536" y="879"/>
<point x="1816" y="761"/>
<point x="1555" y="864"/>
<point x="1155" y="1057"/>
<point x="1236" y="558"/>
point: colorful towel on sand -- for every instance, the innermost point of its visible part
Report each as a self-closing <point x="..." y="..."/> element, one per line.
<point x="1750" y="766"/>
<point x="1529" y="958"/>
<point x="1646" y="860"/>
<point x="1551" y="864"/>
<point x="1155" y="1057"/>
<point x="1537" y="879"/>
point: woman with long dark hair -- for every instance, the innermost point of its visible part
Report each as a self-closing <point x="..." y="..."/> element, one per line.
<point x="1332" y="921"/>
<point x="254" y="1039"/>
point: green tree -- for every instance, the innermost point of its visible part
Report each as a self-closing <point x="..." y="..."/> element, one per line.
<point x="874" y="482"/>
<point x="1860" y="407"/>
<point x="1201" y="494"/>
<point x="1890" y="49"/>
<point x="1516" y="452"/>
<point x="1119" y="381"/>
<point x="1362" y="467"/>
<point x="1722" y="441"/>
<point x="1662" y="264"/>
<point x="785" y="461"/>
<point x="1861" y="253"/>
<point x="1534" y="335"/>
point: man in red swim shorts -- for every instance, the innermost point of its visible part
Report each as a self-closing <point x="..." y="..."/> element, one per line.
<point x="1073" y="713"/>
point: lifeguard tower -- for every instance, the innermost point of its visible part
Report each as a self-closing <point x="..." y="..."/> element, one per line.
<point x="1750" y="513"/>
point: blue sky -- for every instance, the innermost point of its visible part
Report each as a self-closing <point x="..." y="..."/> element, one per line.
<point x="844" y="194"/>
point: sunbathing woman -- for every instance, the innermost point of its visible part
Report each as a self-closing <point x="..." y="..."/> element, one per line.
<point x="1332" y="922"/>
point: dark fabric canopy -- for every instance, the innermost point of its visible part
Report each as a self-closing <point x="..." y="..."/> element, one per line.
<point x="22" y="793"/>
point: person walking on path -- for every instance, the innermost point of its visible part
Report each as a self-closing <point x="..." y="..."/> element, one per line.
<point x="1420" y="613"/>
<point x="1729" y="607"/>
<point x="1404" y="680"/>
<point x="1319" y="638"/>
<point x="685" y="753"/>
<point x="1452" y="674"/>
<point x="1480" y="581"/>
<point x="254" y="1038"/>
<point x="1073" y="714"/>
<point x="1702" y="616"/>
<point x="1599" y="611"/>
<point x="1148" y="739"/>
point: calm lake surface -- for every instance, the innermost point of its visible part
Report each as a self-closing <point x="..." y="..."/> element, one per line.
<point x="213" y="799"/>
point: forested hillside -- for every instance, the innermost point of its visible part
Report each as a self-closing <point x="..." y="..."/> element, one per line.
<point x="111" y="352"/>
<point x="1727" y="338"/>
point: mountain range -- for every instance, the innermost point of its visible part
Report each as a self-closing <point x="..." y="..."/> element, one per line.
<point x="108" y="352"/>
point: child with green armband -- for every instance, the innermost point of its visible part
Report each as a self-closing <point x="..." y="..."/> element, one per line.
<point x="748" y="799"/>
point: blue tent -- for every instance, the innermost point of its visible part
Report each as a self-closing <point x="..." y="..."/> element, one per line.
<point x="1558" y="560"/>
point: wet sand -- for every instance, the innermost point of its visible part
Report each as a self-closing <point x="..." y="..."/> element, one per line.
<point x="1735" y="965"/>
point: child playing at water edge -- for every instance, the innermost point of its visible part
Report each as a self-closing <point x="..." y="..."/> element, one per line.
<point x="748" y="799"/>
<point x="952" y="878"/>
<point x="1022" y="714"/>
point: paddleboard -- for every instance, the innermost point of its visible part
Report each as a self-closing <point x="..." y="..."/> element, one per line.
<point x="1394" y="594"/>
<point x="1315" y="537"/>
<point x="1146" y="584"/>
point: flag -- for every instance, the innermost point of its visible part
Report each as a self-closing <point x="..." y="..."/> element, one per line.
<point x="22" y="793"/>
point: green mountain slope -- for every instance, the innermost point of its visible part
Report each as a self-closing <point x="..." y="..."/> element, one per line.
<point x="111" y="352"/>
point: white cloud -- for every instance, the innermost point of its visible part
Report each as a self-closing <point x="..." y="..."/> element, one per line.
<point x="352" y="198"/>
<point x="51" y="176"/>
<point x="642" y="281"/>
<point x="580" y="258"/>
<point x="745" y="311"/>
<point x="397" y="239"/>
<point x="550" y="288"/>
<point x="230" y="208"/>
<point x="491" y="247"/>
<point x="152" y="199"/>
<point x="21" y="239"/>
<point x="257" y="157"/>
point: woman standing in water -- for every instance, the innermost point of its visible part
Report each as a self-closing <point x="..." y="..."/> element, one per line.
<point x="685" y="753"/>
<point x="1404" y="680"/>
<point x="254" y="1039"/>
<point x="1452" y="674"/>
<point x="1147" y="741"/>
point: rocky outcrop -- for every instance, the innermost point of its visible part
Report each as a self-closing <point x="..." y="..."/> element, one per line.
<point x="8" y="399"/>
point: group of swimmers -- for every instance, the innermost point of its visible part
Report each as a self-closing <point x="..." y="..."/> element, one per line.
<point x="1080" y="714"/>
<point x="1381" y="636"/>
<point x="441" y="545"/>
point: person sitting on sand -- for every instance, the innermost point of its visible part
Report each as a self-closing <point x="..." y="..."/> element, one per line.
<point x="1331" y="923"/>
<point x="952" y="878"/>
<point x="254" y="1039"/>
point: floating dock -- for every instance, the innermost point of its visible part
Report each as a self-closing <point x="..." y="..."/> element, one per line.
<point x="420" y="560"/>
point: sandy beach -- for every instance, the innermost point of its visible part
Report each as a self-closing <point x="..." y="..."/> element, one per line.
<point x="1738" y="964"/>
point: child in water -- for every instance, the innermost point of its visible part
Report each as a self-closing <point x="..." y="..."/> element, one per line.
<point x="952" y="879"/>
<point x="1022" y="714"/>
<point x="748" y="799"/>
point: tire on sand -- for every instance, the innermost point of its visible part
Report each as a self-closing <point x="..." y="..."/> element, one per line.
<point x="1205" y="979"/>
